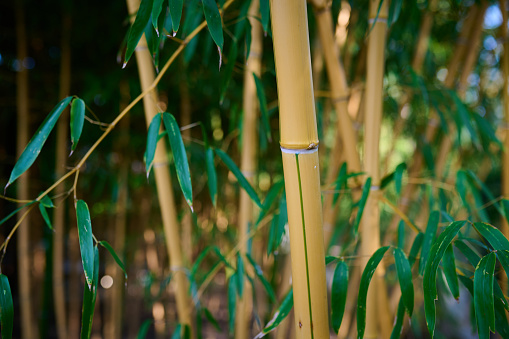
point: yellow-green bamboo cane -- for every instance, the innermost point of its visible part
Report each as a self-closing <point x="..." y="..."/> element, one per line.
<point x="299" y="146"/>
<point x="60" y="160"/>
<point x="248" y="162"/>
<point x="163" y="182"/>
<point x="370" y="224"/>
<point x="28" y="329"/>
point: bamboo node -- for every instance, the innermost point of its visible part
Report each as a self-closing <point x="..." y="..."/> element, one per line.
<point x="312" y="148"/>
<point x="375" y="188"/>
<point x="379" y="19"/>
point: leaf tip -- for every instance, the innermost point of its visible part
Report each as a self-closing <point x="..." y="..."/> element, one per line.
<point x="124" y="64"/>
<point x="220" y="56"/>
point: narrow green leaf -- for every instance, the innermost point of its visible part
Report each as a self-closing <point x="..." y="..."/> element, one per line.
<point x="429" y="235"/>
<point x="137" y="29"/>
<point x="369" y="270"/>
<point x="414" y="250"/>
<point x="338" y="294"/>
<point x="176" y="7"/>
<point x="227" y="74"/>
<point x="211" y="318"/>
<point x="32" y="150"/>
<point x="211" y="175"/>
<point x="45" y="216"/>
<point x="280" y="314"/>
<point x="177" y="334"/>
<point x="265" y="14"/>
<point x="483" y="295"/>
<point x="240" y="275"/>
<point x="248" y="38"/>
<point x="6" y="308"/>
<point x="485" y="190"/>
<point x="394" y="11"/>
<point x="202" y="255"/>
<point x="405" y="279"/>
<point x="259" y="273"/>
<point x="269" y="199"/>
<point x="430" y="273"/>
<point x="13" y="213"/>
<point x="271" y="247"/>
<point x="505" y="206"/>
<point x="214" y="23"/>
<point x="469" y="253"/>
<point x="496" y="238"/>
<point x="464" y="115"/>
<point x="110" y="249"/>
<point x="152" y="138"/>
<point x="340" y="182"/>
<point x="77" y="121"/>
<point x="86" y="241"/>
<point x="145" y="326"/>
<point x="503" y="257"/>
<point x="232" y="301"/>
<point x="398" y="174"/>
<point x="89" y="297"/>
<point x="263" y="106"/>
<point x="398" y="323"/>
<point x="179" y="154"/>
<point x="401" y="234"/>
<point x="240" y="177"/>
<point x="362" y="203"/>
<point x="157" y="7"/>
<point x="450" y="272"/>
<point x="46" y="202"/>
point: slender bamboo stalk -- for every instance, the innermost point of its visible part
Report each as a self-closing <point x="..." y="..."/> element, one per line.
<point x="370" y="224"/>
<point x="299" y="142"/>
<point x="28" y="326"/>
<point x="163" y="182"/>
<point x="61" y="158"/>
<point x="248" y="162"/>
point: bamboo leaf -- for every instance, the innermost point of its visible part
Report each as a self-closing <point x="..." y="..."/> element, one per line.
<point x="505" y="206"/>
<point x="211" y="175"/>
<point x="46" y="202"/>
<point x="450" y="272"/>
<point x="263" y="106"/>
<point x="86" y="241"/>
<point x="227" y="74"/>
<point x="152" y="138"/>
<point x="338" y="294"/>
<point x="142" y="333"/>
<point x="177" y="334"/>
<point x="282" y="220"/>
<point x="137" y="28"/>
<point x="398" y="174"/>
<point x="232" y="301"/>
<point x="430" y="273"/>
<point x="89" y="297"/>
<point x="401" y="234"/>
<point x="6" y="308"/>
<point x="240" y="177"/>
<point x="13" y="213"/>
<point x="211" y="318"/>
<point x="179" y="154"/>
<point x="471" y="256"/>
<point x="157" y="7"/>
<point x="340" y="182"/>
<point x="405" y="279"/>
<point x="394" y="11"/>
<point x="269" y="199"/>
<point x="176" y="7"/>
<point x="279" y="315"/>
<point x="271" y="247"/>
<point x="362" y="204"/>
<point x="214" y="23"/>
<point x="259" y="273"/>
<point x="239" y="274"/>
<point x="483" y="295"/>
<point x="367" y="274"/>
<point x="265" y="14"/>
<point x="429" y="235"/>
<point x="32" y="150"/>
<point x="398" y="322"/>
<point x="45" y="216"/>
<point x="77" y="121"/>
<point x="496" y="238"/>
<point x="110" y="249"/>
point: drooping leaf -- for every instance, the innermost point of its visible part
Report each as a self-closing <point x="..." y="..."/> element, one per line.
<point x="32" y="150"/>
<point x="232" y="301"/>
<point x="240" y="177"/>
<point x="202" y="255"/>
<point x="211" y="318"/>
<point x="265" y="14"/>
<point x="214" y="23"/>
<point x="86" y="241"/>
<point x="176" y="7"/>
<point x="142" y="333"/>
<point x="227" y="74"/>
<point x="338" y="294"/>
<point x="259" y="273"/>
<point x="177" y="333"/>
<point x="45" y="216"/>
<point x="269" y="199"/>
<point x="89" y="297"/>
<point x="394" y="11"/>
<point x="398" y="322"/>
<point x="362" y="204"/>
<point x="77" y="121"/>
<point x="137" y="28"/>
<point x="367" y="274"/>
<point x="429" y="235"/>
<point x="179" y="154"/>
<point x="401" y="234"/>
<point x="152" y="138"/>
<point x="430" y="273"/>
<point x="398" y="176"/>
<point x="271" y="247"/>
<point x="450" y="272"/>
<point x="414" y="250"/>
<point x="496" y="238"/>
<point x="472" y="257"/>
<point x="6" y="308"/>
<point x="110" y="249"/>
<point x="263" y="106"/>
<point x="211" y="174"/>
<point x="483" y="295"/>
<point x="239" y="274"/>
<point x="157" y="7"/>
<point x="279" y="315"/>
<point x="405" y="279"/>
<point x="46" y="202"/>
<point x="13" y="213"/>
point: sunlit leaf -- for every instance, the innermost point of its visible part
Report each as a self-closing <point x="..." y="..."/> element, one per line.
<point x="110" y="249"/>
<point x="86" y="241"/>
<point x="180" y="156"/>
<point x="152" y="138"/>
<point x="279" y="315"/>
<point x="367" y="274"/>
<point x="338" y="294"/>
<point x="405" y="279"/>
<point x="89" y="297"/>
<point x="137" y="28"/>
<point x="32" y="150"/>
<point x="77" y="121"/>
<point x="6" y="308"/>
<point x="483" y="295"/>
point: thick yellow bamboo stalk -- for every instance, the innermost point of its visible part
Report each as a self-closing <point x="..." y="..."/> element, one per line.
<point x="248" y="162"/>
<point x="61" y="158"/>
<point x="370" y="224"/>
<point x="163" y="182"/>
<point x="28" y="326"/>
<point x="299" y="143"/>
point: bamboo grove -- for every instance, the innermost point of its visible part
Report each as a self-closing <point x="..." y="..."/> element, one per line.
<point x="249" y="169"/>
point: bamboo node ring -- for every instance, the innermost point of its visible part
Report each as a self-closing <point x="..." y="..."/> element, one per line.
<point x="379" y="19"/>
<point x="375" y="187"/>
